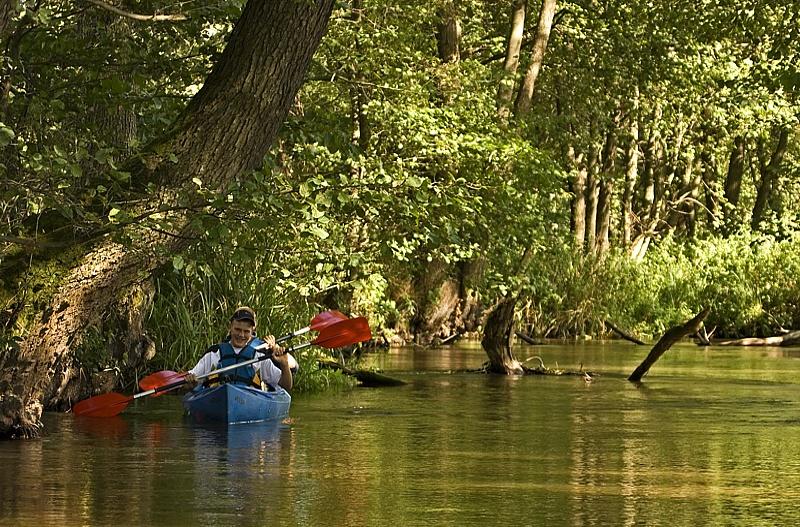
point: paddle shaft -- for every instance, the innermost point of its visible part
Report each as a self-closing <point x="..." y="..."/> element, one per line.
<point x="181" y="382"/>
<point x="264" y="357"/>
<point x="297" y="333"/>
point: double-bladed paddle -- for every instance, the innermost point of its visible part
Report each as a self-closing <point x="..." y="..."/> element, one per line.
<point x="336" y="335"/>
<point x="320" y="321"/>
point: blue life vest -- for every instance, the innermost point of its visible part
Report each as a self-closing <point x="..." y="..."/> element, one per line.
<point x="229" y="357"/>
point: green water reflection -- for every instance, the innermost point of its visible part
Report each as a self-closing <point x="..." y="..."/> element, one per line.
<point x="710" y="438"/>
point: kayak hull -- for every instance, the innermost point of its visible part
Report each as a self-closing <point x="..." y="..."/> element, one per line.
<point x="231" y="403"/>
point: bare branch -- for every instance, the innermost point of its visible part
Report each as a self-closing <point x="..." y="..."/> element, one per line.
<point x="135" y="16"/>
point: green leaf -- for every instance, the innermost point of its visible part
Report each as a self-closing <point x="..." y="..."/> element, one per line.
<point x="178" y="263"/>
<point x="319" y="232"/>
<point x="6" y="135"/>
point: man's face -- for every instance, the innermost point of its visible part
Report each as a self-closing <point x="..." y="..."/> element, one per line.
<point x="241" y="331"/>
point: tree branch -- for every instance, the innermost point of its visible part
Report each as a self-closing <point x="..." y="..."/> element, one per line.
<point x="135" y="16"/>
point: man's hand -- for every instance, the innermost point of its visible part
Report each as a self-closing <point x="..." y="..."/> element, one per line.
<point x="279" y="356"/>
<point x="190" y="380"/>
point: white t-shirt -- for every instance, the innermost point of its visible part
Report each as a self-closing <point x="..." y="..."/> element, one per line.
<point x="269" y="373"/>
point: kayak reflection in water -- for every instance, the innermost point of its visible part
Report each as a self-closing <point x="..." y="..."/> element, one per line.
<point x="273" y="373"/>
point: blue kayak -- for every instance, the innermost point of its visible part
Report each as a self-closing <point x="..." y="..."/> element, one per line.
<point x="232" y="403"/>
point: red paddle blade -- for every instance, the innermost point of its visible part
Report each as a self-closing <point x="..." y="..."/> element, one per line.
<point x="325" y="319"/>
<point x="344" y="333"/>
<point x="159" y="379"/>
<point x="106" y="405"/>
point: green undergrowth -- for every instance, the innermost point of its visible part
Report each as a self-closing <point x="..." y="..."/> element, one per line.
<point x="751" y="284"/>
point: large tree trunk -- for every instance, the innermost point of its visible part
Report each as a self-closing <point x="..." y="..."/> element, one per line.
<point x="506" y="89"/>
<point x="525" y="96"/>
<point x="225" y="131"/>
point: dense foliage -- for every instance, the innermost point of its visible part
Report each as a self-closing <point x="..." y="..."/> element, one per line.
<point x="394" y="162"/>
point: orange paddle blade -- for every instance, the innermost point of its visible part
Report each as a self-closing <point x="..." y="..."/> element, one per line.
<point x="159" y="379"/>
<point x="344" y="333"/>
<point x="325" y="319"/>
<point x="106" y="405"/>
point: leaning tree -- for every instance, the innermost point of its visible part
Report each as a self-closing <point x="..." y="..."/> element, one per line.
<point x="224" y="132"/>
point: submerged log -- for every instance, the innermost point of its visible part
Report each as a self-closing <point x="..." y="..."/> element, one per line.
<point x="704" y="337"/>
<point x="669" y="338"/>
<point x="527" y="339"/>
<point x="541" y="369"/>
<point x="789" y="339"/>
<point x="624" y="334"/>
<point x="367" y="378"/>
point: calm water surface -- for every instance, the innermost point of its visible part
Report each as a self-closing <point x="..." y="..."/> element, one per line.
<point x="711" y="437"/>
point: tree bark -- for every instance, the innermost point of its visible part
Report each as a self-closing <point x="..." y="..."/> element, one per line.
<point x="506" y="89"/>
<point x="592" y="196"/>
<point x="769" y="176"/>
<point x="578" y="207"/>
<point x="7" y="10"/>
<point x="733" y="184"/>
<point x="666" y="341"/>
<point x="631" y="176"/>
<point x="525" y="95"/>
<point x="498" y="336"/>
<point x="605" y="197"/>
<point x="448" y="34"/>
<point x="224" y="131"/>
<point x="358" y="96"/>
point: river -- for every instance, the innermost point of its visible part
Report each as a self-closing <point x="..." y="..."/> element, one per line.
<point x="711" y="437"/>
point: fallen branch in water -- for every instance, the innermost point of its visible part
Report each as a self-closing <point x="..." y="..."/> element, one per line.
<point x="789" y="339"/>
<point x="666" y="341"/>
<point x="624" y="334"/>
<point x="526" y="338"/>
<point x="541" y="369"/>
<point x="369" y="379"/>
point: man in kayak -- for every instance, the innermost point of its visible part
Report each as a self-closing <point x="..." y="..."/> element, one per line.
<point x="275" y="372"/>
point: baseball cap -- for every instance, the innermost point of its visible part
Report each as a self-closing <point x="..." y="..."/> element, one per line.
<point x="244" y="313"/>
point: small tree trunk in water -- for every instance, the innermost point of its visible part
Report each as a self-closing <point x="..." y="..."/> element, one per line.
<point x="497" y="338"/>
<point x="666" y="341"/>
